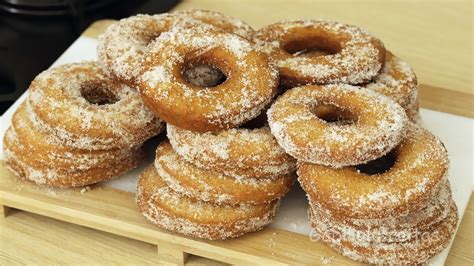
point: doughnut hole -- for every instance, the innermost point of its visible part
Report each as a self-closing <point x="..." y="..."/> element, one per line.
<point x="98" y="94"/>
<point x="334" y="115"/>
<point x="311" y="45"/>
<point x="257" y="122"/>
<point x="378" y="166"/>
<point x="204" y="71"/>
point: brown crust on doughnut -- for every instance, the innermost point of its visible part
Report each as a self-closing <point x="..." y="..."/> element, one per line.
<point x="379" y="126"/>
<point x="356" y="56"/>
<point x="396" y="80"/>
<point x="35" y="144"/>
<point x="415" y="251"/>
<point x="247" y="153"/>
<point x="421" y="166"/>
<point x="250" y="85"/>
<point x="189" y="180"/>
<point x="169" y="210"/>
<point x="58" y="106"/>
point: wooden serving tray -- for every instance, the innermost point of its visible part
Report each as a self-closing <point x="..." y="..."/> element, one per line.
<point x="114" y="211"/>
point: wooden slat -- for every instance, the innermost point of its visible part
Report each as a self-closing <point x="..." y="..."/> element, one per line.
<point x="114" y="211"/>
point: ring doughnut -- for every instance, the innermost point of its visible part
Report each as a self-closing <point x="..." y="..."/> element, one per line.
<point x="396" y="80"/>
<point x="81" y="107"/>
<point x="392" y="229"/>
<point x="410" y="252"/>
<point x="354" y="55"/>
<point x="419" y="168"/>
<point x="172" y="211"/>
<point x="235" y="152"/>
<point x="250" y="85"/>
<point x="46" y="175"/>
<point x="214" y="187"/>
<point x="122" y="46"/>
<point x="378" y="124"/>
<point x="36" y="149"/>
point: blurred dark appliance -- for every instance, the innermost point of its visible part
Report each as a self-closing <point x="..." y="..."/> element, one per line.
<point x="33" y="33"/>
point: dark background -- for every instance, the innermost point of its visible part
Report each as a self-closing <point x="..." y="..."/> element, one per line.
<point x="34" y="33"/>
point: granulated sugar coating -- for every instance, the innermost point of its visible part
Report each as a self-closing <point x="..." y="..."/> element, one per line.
<point x="189" y="180"/>
<point x="418" y="173"/>
<point x="80" y="106"/>
<point x="251" y="80"/>
<point x="246" y="153"/>
<point x="354" y="56"/>
<point x="122" y="47"/>
<point x="378" y="127"/>
<point x="172" y="211"/>
<point x="412" y="251"/>
<point x="393" y="229"/>
<point x="396" y="80"/>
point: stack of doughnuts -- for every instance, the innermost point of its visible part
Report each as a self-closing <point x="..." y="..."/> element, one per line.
<point x="376" y="182"/>
<point x="346" y="120"/>
<point x="201" y="74"/>
<point x="77" y="127"/>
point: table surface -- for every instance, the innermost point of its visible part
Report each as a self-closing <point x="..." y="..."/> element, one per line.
<point x="435" y="38"/>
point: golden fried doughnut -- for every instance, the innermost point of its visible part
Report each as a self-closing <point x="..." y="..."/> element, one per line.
<point x="413" y="251"/>
<point x="392" y="229"/>
<point x="420" y="164"/>
<point x="353" y="57"/>
<point x="235" y="152"/>
<point x="221" y="21"/>
<point x="189" y="180"/>
<point x="378" y="124"/>
<point x="46" y="175"/>
<point x="250" y="85"/>
<point x="39" y="150"/>
<point x="172" y="211"/>
<point x="122" y="46"/>
<point x="396" y="80"/>
<point x="84" y="108"/>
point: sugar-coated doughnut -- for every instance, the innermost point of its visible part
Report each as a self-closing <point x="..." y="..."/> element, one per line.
<point x="250" y="85"/>
<point x="122" y="46"/>
<point x="419" y="168"/>
<point x="393" y="229"/>
<point x="82" y="107"/>
<point x="215" y="187"/>
<point x="378" y="124"/>
<point x="354" y="56"/>
<point x="411" y="252"/>
<point x="396" y="80"/>
<point x="44" y="174"/>
<point x="247" y="153"/>
<point x="38" y="150"/>
<point x="181" y="214"/>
